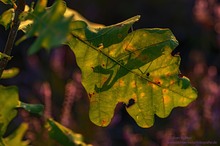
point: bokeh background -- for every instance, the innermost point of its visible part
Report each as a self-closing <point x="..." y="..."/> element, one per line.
<point x="53" y="78"/>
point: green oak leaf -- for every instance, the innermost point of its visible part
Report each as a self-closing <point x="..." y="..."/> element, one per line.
<point x="6" y="18"/>
<point x="49" y="25"/>
<point x="15" y="139"/>
<point x="136" y="68"/>
<point x="8" y="102"/>
<point x="158" y="89"/>
<point x="64" y="135"/>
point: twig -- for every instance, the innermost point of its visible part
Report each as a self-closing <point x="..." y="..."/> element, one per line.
<point x="5" y="56"/>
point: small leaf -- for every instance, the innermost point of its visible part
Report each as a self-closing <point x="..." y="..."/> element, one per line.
<point x="5" y="56"/>
<point x="6" y="18"/>
<point x="26" y="20"/>
<point x="8" y="102"/>
<point x="10" y="73"/>
<point x="32" y="108"/>
<point x="15" y="139"/>
<point x="63" y="135"/>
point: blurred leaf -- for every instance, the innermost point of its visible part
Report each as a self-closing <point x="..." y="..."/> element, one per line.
<point x="32" y="108"/>
<point x="50" y="27"/>
<point x="10" y="73"/>
<point x="6" y="18"/>
<point x="2" y="56"/>
<point x="8" y="102"/>
<point x="63" y="135"/>
<point x="136" y="68"/>
<point x="8" y="1"/>
<point x="2" y="142"/>
<point x="40" y="6"/>
<point x="15" y="139"/>
<point x="26" y="18"/>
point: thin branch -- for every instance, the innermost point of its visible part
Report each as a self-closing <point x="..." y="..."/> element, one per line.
<point x="12" y="35"/>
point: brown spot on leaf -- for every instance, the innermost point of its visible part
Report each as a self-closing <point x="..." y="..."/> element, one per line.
<point x="91" y="94"/>
<point x="171" y="82"/>
<point x="142" y="57"/>
<point x="121" y="82"/>
<point x="133" y="84"/>
<point x="103" y="123"/>
<point x="119" y="35"/>
<point x="164" y="90"/>
<point x="168" y="74"/>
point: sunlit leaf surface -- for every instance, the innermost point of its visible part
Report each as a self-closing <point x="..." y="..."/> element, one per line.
<point x="136" y="69"/>
<point x="16" y="138"/>
<point x="6" y="18"/>
<point x="4" y="56"/>
<point x="64" y="135"/>
<point x="8" y="102"/>
<point x="10" y="73"/>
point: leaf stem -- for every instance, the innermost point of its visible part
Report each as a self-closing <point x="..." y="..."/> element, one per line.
<point x="5" y="56"/>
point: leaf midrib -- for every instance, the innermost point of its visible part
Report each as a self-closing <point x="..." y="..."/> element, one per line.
<point x="112" y="59"/>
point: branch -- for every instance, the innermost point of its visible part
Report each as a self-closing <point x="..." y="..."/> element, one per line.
<point x="5" y="56"/>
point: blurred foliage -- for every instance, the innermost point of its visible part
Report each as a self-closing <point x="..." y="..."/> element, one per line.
<point x="9" y="98"/>
<point x="16" y="138"/>
<point x="9" y="73"/>
<point x="63" y="135"/>
<point x="6" y="18"/>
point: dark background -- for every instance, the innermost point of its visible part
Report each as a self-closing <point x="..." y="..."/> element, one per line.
<point x="196" y="25"/>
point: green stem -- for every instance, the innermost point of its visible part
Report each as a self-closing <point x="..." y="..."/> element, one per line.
<point x="5" y="56"/>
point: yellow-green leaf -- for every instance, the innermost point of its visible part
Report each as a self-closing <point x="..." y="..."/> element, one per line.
<point x="10" y="73"/>
<point x="135" y="68"/>
<point x="6" y="18"/>
<point x="16" y="138"/>
<point x="5" y="56"/>
<point x="8" y="102"/>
